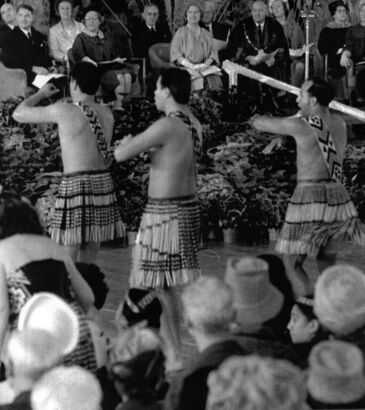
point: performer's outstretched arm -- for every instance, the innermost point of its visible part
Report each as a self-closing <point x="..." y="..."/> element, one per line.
<point x="153" y="137"/>
<point x="276" y="125"/>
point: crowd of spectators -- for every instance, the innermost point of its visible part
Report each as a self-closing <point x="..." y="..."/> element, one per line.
<point x="259" y="345"/>
<point x="42" y="36"/>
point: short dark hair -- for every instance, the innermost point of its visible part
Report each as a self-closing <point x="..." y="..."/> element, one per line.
<point x="95" y="9"/>
<point x="87" y="77"/>
<point x="17" y="216"/>
<point x="26" y="7"/>
<point x="178" y="82"/>
<point x="57" y="4"/>
<point x="322" y="90"/>
<point x="333" y="6"/>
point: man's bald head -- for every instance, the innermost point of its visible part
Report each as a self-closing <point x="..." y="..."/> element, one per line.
<point x="258" y="11"/>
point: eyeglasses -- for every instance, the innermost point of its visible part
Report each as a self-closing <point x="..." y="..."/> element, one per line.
<point x="91" y="19"/>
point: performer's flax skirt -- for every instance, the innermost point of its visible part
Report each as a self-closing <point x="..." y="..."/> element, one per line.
<point x="86" y="209"/>
<point x="318" y="211"/>
<point x="166" y="249"/>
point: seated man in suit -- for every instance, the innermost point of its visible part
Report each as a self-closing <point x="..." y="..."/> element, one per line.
<point x="219" y="31"/>
<point x="8" y="17"/>
<point x="259" y="42"/>
<point x="149" y="32"/>
<point x="27" y="48"/>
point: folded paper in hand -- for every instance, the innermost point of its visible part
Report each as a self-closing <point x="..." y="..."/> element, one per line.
<point x="42" y="79"/>
<point x="209" y="71"/>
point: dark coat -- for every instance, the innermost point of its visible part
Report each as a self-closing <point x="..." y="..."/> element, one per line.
<point x="93" y="47"/>
<point x="20" y="52"/>
<point x="263" y="343"/>
<point x="355" y="42"/>
<point x="191" y="390"/>
<point x="143" y="38"/>
<point x="5" y="31"/>
<point x="241" y="46"/>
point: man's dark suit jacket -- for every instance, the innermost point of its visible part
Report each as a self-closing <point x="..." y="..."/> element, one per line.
<point x="143" y="38"/>
<point x="20" y="52"/>
<point x="273" y="38"/>
<point x="5" y="31"/>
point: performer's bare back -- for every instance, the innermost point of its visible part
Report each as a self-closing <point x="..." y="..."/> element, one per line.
<point x="310" y="163"/>
<point x="78" y="142"/>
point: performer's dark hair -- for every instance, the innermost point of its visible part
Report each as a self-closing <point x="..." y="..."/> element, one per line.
<point x="87" y="77"/>
<point x="26" y="7"/>
<point x="322" y="90"/>
<point x="17" y="216"/>
<point x="178" y="82"/>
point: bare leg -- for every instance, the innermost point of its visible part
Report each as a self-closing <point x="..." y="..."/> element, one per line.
<point x="73" y="251"/>
<point x="297" y="275"/>
<point x="127" y="83"/>
<point x="170" y="327"/>
<point x="327" y="255"/>
<point x="88" y="252"/>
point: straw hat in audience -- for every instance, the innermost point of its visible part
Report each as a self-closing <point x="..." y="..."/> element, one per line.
<point x="339" y="299"/>
<point x="256" y="300"/>
<point x="46" y="311"/>
<point x="336" y="373"/>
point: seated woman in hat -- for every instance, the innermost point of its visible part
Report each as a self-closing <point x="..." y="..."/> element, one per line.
<point x="192" y="48"/>
<point x="30" y="262"/>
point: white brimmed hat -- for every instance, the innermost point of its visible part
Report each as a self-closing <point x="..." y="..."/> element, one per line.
<point x="256" y="300"/>
<point x="336" y="373"/>
<point x="46" y="311"/>
<point x="339" y="299"/>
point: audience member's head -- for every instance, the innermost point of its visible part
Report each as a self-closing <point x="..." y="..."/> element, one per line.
<point x="29" y="354"/>
<point x="25" y="16"/>
<point x="303" y="325"/>
<point x="208" y="306"/>
<point x="336" y="376"/>
<point x="194" y="13"/>
<point x="279" y="8"/>
<point x="150" y="14"/>
<point x="17" y="216"/>
<point x="47" y="312"/>
<point x="137" y="364"/>
<point x="256" y="383"/>
<point x="256" y="300"/>
<point x="92" y="19"/>
<point x="64" y="8"/>
<point x="172" y="83"/>
<point x="338" y="10"/>
<point x="8" y="14"/>
<point x="85" y="78"/>
<point x="258" y="11"/>
<point x="71" y="388"/>
<point x="209" y="11"/>
<point x="339" y="299"/>
<point x="139" y="305"/>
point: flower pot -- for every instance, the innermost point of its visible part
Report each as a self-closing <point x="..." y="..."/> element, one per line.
<point x="131" y="235"/>
<point x="229" y="235"/>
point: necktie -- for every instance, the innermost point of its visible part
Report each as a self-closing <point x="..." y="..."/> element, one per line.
<point x="261" y="37"/>
<point x="30" y="37"/>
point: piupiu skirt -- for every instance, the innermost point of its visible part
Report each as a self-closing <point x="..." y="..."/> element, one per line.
<point x="317" y="212"/>
<point x="86" y="209"/>
<point x="166" y="250"/>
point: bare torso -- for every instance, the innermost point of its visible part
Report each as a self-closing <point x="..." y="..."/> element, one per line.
<point x="78" y="142"/>
<point x="173" y="168"/>
<point x="310" y="162"/>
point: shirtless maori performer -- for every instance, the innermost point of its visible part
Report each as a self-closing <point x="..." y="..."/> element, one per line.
<point x="320" y="215"/>
<point x="86" y="211"/>
<point x="165" y="254"/>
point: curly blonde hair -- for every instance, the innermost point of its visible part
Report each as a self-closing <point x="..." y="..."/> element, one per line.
<point x="256" y="383"/>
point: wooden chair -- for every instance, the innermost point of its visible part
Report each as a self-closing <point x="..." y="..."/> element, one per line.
<point x="13" y="82"/>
